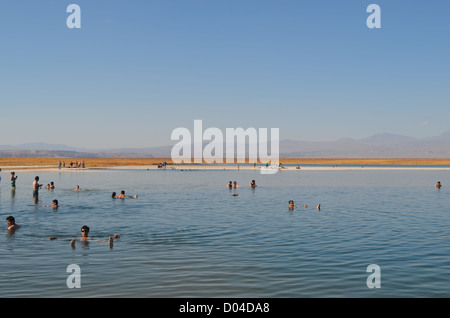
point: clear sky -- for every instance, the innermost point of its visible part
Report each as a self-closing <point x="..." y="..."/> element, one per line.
<point x="138" y="69"/>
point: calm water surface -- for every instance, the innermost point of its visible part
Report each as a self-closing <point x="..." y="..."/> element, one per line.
<point x="187" y="236"/>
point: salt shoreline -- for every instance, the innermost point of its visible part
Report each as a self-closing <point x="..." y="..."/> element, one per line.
<point x="234" y="167"/>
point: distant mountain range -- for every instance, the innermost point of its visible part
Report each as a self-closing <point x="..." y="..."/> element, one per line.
<point x="384" y="145"/>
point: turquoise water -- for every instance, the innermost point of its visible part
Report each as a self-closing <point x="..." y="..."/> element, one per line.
<point x="187" y="236"/>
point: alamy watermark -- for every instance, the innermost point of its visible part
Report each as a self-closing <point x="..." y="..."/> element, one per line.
<point x="74" y="279"/>
<point x="73" y="21"/>
<point x="231" y="149"/>
<point x="374" y="279"/>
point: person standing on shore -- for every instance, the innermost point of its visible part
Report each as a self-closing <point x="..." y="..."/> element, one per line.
<point x="13" y="180"/>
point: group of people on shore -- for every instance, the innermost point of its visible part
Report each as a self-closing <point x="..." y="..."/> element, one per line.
<point x="76" y="164"/>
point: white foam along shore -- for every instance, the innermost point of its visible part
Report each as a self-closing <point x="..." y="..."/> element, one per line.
<point x="235" y="167"/>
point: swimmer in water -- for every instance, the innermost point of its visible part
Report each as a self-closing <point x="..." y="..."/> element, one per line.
<point x="85" y="237"/>
<point x="230" y="185"/>
<point x="235" y="185"/>
<point x="54" y="205"/>
<point x="291" y="205"/>
<point x="123" y="196"/>
<point x="11" y="222"/>
<point x="438" y="185"/>
<point x="252" y="184"/>
<point x="77" y="188"/>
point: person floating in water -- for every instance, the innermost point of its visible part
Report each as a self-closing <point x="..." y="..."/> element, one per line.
<point x="230" y="185"/>
<point x="438" y="184"/>
<point x="11" y="222"/>
<point x="252" y="184"/>
<point x="123" y="196"/>
<point x="77" y="188"/>
<point x="235" y="185"/>
<point x="85" y="237"/>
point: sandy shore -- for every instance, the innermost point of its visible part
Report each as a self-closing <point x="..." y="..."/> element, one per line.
<point x="289" y="164"/>
<point x="106" y="162"/>
<point x="231" y="167"/>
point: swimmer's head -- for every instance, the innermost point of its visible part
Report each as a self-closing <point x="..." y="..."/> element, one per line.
<point x="85" y="229"/>
<point x="10" y="220"/>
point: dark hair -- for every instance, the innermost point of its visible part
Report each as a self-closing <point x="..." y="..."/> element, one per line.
<point x="122" y="192"/>
<point x="290" y="201"/>
<point x="85" y="227"/>
<point x="36" y="178"/>
<point x="113" y="195"/>
<point x="55" y="201"/>
<point x="11" y="219"/>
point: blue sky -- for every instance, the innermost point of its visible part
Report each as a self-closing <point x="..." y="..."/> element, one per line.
<point x="136" y="70"/>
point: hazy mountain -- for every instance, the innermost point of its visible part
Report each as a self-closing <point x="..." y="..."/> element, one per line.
<point x="384" y="145"/>
<point x="388" y="139"/>
<point x="38" y="146"/>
